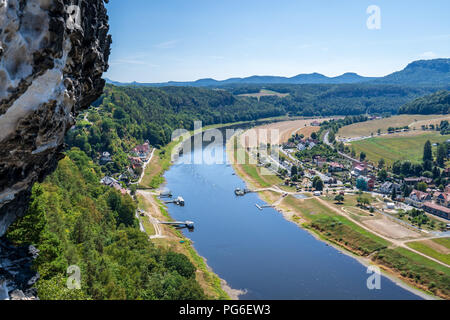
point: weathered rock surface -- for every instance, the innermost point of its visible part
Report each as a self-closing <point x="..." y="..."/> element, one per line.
<point x="52" y="57"/>
<point x="16" y="275"/>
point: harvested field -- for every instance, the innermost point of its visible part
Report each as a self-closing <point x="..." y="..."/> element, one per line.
<point x="265" y="93"/>
<point x="365" y="129"/>
<point x="391" y="229"/>
<point x="276" y="133"/>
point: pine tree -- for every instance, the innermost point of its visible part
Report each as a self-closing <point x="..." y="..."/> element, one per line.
<point x="427" y="152"/>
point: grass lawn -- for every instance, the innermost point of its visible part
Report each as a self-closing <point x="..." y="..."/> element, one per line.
<point x="392" y="148"/>
<point x="424" y="248"/>
<point x="417" y="270"/>
<point x="149" y="229"/>
<point x="155" y="169"/>
<point x="336" y="227"/>
<point x="443" y="242"/>
<point x="252" y="171"/>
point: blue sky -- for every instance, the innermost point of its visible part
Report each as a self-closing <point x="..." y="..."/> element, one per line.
<point x="162" y="40"/>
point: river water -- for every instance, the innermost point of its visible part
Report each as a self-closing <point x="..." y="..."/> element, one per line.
<point x="259" y="251"/>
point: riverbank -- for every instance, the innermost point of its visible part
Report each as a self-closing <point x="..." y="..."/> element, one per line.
<point x="172" y="239"/>
<point x="352" y="240"/>
<point x="153" y="178"/>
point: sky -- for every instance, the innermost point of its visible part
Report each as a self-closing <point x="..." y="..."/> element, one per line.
<point x="174" y="40"/>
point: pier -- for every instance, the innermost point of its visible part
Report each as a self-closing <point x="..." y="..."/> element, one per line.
<point x="178" y="201"/>
<point x="180" y="224"/>
<point x="263" y="207"/>
<point x="241" y="192"/>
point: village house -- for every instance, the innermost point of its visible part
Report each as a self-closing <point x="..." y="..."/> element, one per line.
<point x="315" y="123"/>
<point x="437" y="210"/>
<point x="105" y="158"/>
<point x="388" y="187"/>
<point x="447" y="172"/>
<point x="414" y="181"/>
<point x="359" y="170"/>
<point x="301" y="146"/>
<point x="320" y="161"/>
<point x="335" y="167"/>
<point x="111" y="182"/>
<point x="417" y="198"/>
<point x="142" y="151"/>
<point x="135" y="162"/>
<point x="442" y="198"/>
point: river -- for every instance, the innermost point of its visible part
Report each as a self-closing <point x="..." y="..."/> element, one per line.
<point x="259" y="251"/>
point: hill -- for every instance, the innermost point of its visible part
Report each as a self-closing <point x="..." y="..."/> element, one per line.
<point x="434" y="72"/>
<point x="422" y="72"/>
<point x="436" y="103"/>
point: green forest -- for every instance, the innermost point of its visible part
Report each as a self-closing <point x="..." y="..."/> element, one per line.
<point x="436" y="103"/>
<point x="74" y="220"/>
<point x="128" y="115"/>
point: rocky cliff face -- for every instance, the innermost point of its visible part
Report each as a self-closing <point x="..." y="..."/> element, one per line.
<point x="52" y="57"/>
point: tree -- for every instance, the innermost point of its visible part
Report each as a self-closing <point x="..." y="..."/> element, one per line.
<point x="381" y="163"/>
<point x="317" y="183"/>
<point x="331" y="137"/>
<point x="394" y="193"/>
<point x="339" y="199"/>
<point x="361" y="184"/>
<point x="422" y="186"/>
<point x="427" y="152"/>
<point x="362" y="156"/>
<point x="382" y="175"/>
<point x="314" y="135"/>
<point x="363" y="201"/>
<point x="441" y="154"/>
<point x="294" y="170"/>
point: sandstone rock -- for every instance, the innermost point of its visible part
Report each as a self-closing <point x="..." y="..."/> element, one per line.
<point x="52" y="57"/>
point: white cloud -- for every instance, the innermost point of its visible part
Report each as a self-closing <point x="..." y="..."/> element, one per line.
<point x="167" y="44"/>
<point x="428" y="55"/>
<point x="132" y="62"/>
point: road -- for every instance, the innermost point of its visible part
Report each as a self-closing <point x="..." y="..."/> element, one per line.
<point x="155" y="222"/>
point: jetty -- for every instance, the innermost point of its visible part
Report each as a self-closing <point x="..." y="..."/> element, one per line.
<point x="241" y="192"/>
<point x="180" y="224"/>
<point x="178" y="201"/>
<point x="263" y="206"/>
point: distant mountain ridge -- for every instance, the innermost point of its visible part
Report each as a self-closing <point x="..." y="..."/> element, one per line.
<point x="421" y="72"/>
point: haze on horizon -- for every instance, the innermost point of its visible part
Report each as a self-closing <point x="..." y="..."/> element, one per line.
<point x="174" y="40"/>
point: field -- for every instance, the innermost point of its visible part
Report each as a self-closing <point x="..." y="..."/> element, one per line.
<point x="308" y="131"/>
<point x="417" y="270"/>
<point x="433" y="249"/>
<point x="285" y="131"/>
<point x="265" y="93"/>
<point x="336" y="227"/>
<point x="397" y="147"/>
<point x="364" y="129"/>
